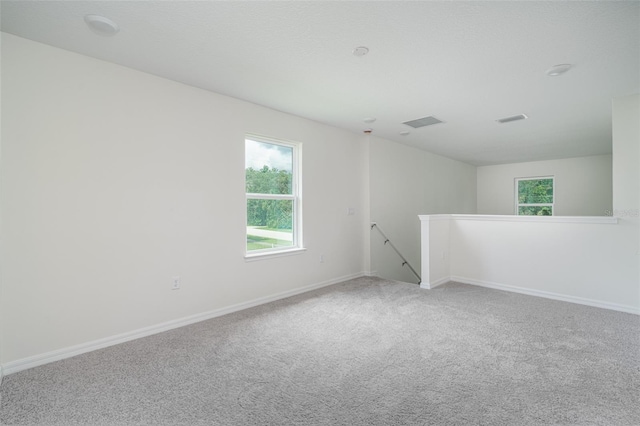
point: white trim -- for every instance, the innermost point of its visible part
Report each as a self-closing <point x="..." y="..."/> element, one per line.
<point x="271" y="254"/>
<point x="57" y="355"/>
<point x="436" y="283"/>
<point x="434" y="217"/>
<point x="254" y="196"/>
<point x="513" y="218"/>
<point x="539" y="219"/>
<point x="274" y="141"/>
<point x="548" y="295"/>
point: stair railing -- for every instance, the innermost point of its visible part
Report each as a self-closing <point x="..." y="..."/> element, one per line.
<point x="388" y="241"/>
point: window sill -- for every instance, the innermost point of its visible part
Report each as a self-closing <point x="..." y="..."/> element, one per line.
<point x="271" y="255"/>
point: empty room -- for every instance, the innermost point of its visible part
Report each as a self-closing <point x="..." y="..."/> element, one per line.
<point x="319" y="213"/>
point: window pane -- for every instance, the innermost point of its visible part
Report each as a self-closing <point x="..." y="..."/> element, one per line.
<point x="269" y="224"/>
<point x="535" y="191"/>
<point x="535" y="210"/>
<point x="268" y="168"/>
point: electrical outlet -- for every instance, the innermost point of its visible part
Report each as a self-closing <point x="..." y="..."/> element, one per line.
<point x="322" y="258"/>
<point x="176" y="283"/>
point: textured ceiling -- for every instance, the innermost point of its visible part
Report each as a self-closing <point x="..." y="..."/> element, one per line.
<point x="466" y="63"/>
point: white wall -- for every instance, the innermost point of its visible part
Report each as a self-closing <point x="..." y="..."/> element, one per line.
<point x="582" y="185"/>
<point x="113" y="181"/>
<point x="435" y="250"/>
<point x="626" y="179"/>
<point x="1" y="227"/>
<point x="406" y="182"/>
<point x="626" y="156"/>
<point x="580" y="262"/>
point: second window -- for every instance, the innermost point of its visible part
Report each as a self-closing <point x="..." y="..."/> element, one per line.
<point x="535" y="196"/>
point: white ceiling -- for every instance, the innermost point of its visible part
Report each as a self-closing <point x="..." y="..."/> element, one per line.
<point x="466" y="63"/>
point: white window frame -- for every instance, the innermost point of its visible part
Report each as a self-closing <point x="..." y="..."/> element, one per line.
<point x="296" y="196"/>
<point x="517" y="197"/>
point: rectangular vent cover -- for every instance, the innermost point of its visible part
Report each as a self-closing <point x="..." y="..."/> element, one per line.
<point x="512" y="118"/>
<point x="422" y="122"/>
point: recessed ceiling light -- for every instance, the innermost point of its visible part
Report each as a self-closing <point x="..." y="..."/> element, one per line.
<point x="557" y="70"/>
<point x="360" y="51"/>
<point x="369" y="120"/>
<point x="405" y="133"/>
<point x="101" y="25"/>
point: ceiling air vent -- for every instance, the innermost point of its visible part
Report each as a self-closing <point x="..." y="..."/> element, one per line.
<point x="422" y="122"/>
<point x="512" y="118"/>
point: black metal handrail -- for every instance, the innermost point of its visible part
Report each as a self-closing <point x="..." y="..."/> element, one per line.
<point x="387" y="240"/>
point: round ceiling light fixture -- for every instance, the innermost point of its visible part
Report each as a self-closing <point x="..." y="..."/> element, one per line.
<point x="360" y="51"/>
<point x="559" y="69"/>
<point x="369" y="120"/>
<point x="101" y="25"/>
<point x="405" y="133"/>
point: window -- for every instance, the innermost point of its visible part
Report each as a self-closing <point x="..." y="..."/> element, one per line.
<point x="534" y="196"/>
<point x="272" y="185"/>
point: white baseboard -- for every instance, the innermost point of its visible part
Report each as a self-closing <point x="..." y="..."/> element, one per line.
<point x="57" y="355"/>
<point x="434" y="284"/>
<point x="549" y="295"/>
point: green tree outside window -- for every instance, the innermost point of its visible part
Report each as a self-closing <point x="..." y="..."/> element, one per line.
<point x="535" y="196"/>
